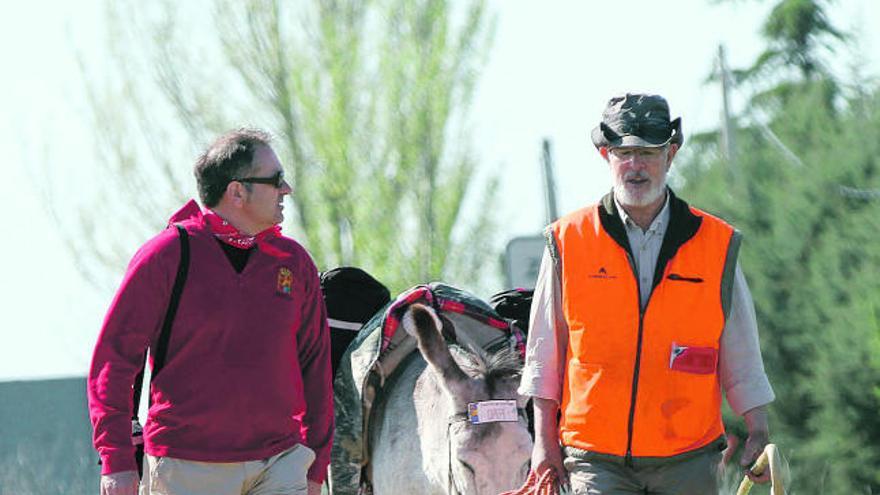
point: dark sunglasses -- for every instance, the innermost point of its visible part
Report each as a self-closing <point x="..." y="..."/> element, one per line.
<point x="275" y="181"/>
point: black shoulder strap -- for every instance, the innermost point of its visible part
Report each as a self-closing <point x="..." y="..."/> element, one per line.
<point x="162" y="343"/>
<point x="182" y="270"/>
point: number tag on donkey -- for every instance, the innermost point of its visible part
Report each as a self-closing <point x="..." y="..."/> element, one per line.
<point x="492" y="411"/>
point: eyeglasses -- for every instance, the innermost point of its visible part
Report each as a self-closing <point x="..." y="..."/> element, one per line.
<point x="643" y="153"/>
<point x="275" y="181"/>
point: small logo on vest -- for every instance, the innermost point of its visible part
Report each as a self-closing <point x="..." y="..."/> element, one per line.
<point x="602" y="273"/>
<point x="285" y="280"/>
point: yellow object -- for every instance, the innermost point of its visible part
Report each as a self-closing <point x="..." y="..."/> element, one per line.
<point x="768" y="458"/>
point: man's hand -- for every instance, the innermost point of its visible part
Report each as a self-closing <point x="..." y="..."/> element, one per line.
<point x="549" y="457"/>
<point x="759" y="436"/>
<point x="121" y="483"/>
<point x="314" y="488"/>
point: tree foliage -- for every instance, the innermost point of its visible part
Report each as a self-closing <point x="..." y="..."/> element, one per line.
<point x="805" y="190"/>
<point x="368" y="100"/>
<point x="799" y="38"/>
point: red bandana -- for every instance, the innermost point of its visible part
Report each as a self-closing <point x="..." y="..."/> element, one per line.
<point x="226" y="233"/>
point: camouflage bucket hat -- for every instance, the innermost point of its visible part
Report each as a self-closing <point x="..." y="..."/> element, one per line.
<point x="639" y="120"/>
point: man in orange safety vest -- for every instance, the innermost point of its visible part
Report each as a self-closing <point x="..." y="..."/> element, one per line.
<point x="641" y="319"/>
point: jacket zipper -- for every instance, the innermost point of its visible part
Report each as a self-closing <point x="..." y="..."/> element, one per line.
<point x="635" y="391"/>
<point x="637" y="365"/>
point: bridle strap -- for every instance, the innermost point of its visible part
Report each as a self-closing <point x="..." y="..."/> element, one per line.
<point x="451" y="489"/>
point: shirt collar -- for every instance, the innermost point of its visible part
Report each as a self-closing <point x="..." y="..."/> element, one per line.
<point x="659" y="223"/>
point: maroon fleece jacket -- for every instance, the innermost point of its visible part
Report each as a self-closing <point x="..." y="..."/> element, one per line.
<point x="247" y="371"/>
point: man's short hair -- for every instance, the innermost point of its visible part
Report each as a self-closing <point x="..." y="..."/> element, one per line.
<point x="230" y="156"/>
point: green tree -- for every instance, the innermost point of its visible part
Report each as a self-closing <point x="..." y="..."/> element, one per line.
<point x="805" y="194"/>
<point x="368" y="100"/>
<point x="799" y="36"/>
<point x="811" y="260"/>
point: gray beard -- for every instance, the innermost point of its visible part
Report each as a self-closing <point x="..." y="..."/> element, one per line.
<point x="626" y="198"/>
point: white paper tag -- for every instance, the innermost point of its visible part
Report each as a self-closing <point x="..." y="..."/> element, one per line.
<point x="492" y="411"/>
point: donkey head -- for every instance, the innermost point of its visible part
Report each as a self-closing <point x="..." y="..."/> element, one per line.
<point x="484" y="458"/>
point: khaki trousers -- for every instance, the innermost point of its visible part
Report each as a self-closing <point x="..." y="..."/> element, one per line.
<point x="697" y="475"/>
<point x="281" y="474"/>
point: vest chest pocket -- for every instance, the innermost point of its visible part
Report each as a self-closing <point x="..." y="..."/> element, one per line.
<point x="681" y="278"/>
<point x="685" y="295"/>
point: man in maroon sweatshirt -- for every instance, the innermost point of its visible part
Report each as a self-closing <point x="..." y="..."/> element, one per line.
<point x="243" y="404"/>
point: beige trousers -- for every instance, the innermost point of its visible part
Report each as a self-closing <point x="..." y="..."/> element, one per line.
<point x="697" y="475"/>
<point x="281" y="474"/>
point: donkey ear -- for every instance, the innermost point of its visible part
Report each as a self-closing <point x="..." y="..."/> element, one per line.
<point x="422" y="322"/>
<point x="420" y="318"/>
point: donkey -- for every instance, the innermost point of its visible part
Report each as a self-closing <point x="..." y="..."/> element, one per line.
<point x="424" y="442"/>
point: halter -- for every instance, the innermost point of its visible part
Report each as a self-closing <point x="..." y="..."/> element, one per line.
<point x="468" y="418"/>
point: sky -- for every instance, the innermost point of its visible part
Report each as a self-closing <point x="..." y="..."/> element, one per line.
<point x="552" y="67"/>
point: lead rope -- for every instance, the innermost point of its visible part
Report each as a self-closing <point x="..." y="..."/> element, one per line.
<point x="545" y="484"/>
<point x="769" y="459"/>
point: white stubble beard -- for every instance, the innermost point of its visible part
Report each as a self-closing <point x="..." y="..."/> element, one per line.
<point x="628" y="198"/>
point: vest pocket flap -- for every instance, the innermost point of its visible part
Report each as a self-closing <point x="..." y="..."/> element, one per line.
<point x="681" y="278"/>
<point x="690" y="359"/>
<point x="588" y="384"/>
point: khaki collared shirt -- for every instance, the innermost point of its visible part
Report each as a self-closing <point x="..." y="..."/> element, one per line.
<point x="645" y="245"/>
<point x="740" y="366"/>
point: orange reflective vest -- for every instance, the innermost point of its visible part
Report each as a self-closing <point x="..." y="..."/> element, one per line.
<point x="643" y="383"/>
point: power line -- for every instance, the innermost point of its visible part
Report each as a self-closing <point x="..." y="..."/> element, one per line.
<point x="864" y="194"/>
<point x="727" y="136"/>
<point x="728" y="144"/>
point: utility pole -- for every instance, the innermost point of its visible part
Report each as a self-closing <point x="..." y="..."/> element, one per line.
<point x="727" y="137"/>
<point x="522" y="257"/>
<point x="549" y="182"/>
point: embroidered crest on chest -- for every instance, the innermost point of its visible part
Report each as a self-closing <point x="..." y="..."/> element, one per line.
<point x="285" y="281"/>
